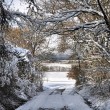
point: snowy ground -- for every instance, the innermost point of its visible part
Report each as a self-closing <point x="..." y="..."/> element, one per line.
<point x="60" y="77"/>
<point x="51" y="98"/>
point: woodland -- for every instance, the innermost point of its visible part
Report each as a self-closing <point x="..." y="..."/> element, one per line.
<point x="81" y="26"/>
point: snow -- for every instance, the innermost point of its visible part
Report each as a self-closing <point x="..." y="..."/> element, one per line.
<point x="57" y="76"/>
<point x="56" y="101"/>
<point x="98" y="102"/>
<point x="106" y="105"/>
<point x="21" y="95"/>
<point x="19" y="52"/>
<point x="57" y="64"/>
<point x="51" y="97"/>
<point x="17" y="5"/>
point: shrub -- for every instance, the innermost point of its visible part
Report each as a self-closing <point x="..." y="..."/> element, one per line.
<point x="77" y="74"/>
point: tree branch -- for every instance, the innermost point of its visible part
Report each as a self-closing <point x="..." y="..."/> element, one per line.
<point x="104" y="14"/>
<point x="80" y="26"/>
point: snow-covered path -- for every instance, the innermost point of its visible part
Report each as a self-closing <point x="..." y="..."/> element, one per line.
<point x="52" y="99"/>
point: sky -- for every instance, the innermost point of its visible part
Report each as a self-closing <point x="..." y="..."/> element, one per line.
<point x="17" y="5"/>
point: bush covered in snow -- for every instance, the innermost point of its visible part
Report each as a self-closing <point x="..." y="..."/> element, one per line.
<point x="96" y="101"/>
<point x="19" y="78"/>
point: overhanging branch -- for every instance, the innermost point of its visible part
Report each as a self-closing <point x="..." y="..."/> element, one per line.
<point x="104" y="14"/>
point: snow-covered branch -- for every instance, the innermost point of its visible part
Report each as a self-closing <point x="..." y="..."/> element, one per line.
<point x="89" y="25"/>
<point x="58" y="17"/>
<point x="104" y="14"/>
<point x="61" y="18"/>
<point x="101" y="47"/>
<point x="86" y="25"/>
<point x="85" y="10"/>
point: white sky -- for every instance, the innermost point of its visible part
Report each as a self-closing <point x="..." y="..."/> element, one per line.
<point x="17" y="5"/>
<point x="53" y="41"/>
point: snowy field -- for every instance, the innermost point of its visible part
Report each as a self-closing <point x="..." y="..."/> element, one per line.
<point x="54" y="80"/>
<point x="57" y="76"/>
